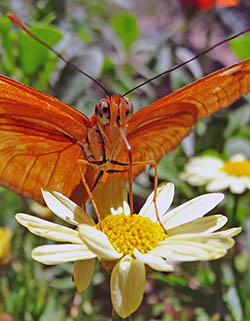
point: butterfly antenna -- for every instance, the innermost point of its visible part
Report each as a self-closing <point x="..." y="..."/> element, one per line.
<point x="186" y="62"/>
<point x="17" y="21"/>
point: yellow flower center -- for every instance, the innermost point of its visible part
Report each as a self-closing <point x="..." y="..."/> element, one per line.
<point x="240" y="168"/>
<point x="128" y="232"/>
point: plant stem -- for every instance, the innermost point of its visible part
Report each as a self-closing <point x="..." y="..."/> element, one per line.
<point x="221" y="306"/>
<point x="235" y="272"/>
<point x="234" y="220"/>
<point x="238" y="287"/>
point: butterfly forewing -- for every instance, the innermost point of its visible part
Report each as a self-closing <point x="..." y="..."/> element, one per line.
<point x="38" y="135"/>
<point x="21" y="102"/>
<point x="159" y="127"/>
<point x="215" y="91"/>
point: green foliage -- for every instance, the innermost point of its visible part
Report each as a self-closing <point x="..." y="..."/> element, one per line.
<point x="7" y="38"/>
<point x="32" y="53"/>
<point x="126" y="27"/>
<point x="171" y="280"/>
<point x="24" y="57"/>
<point x="241" y="46"/>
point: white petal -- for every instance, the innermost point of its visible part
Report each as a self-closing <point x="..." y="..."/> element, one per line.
<point x="199" y="174"/>
<point x="217" y="184"/>
<point x="98" y="242"/>
<point x="155" y="262"/>
<point x="127" y="285"/>
<point x="56" y="254"/>
<point x="48" y="229"/>
<point x="200" y="170"/>
<point x="83" y="273"/>
<point x="164" y="198"/>
<point x="191" y="210"/>
<point x="25" y="219"/>
<point x="186" y="252"/>
<point x="111" y="197"/>
<point x="207" y="161"/>
<point x="65" y="208"/>
<point x="207" y="224"/>
<point x="193" y="247"/>
<point x="230" y="232"/>
<point x="237" y="158"/>
<point x="236" y="185"/>
<point x="193" y="180"/>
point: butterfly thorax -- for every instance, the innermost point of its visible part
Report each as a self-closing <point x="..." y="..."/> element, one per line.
<point x="104" y="138"/>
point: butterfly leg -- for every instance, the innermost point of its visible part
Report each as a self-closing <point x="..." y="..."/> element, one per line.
<point x="143" y="163"/>
<point x="82" y="169"/>
<point x="154" y="164"/>
<point x="130" y="171"/>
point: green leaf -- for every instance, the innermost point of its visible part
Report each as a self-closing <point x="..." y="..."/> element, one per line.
<point x="7" y="40"/>
<point x="241" y="46"/>
<point x="158" y="309"/>
<point x="84" y="34"/>
<point x="108" y="65"/>
<point x="172" y="279"/>
<point x="126" y="27"/>
<point x="42" y="81"/>
<point x="32" y="54"/>
<point x="242" y="211"/>
<point x="205" y="276"/>
<point x="212" y="152"/>
<point x="201" y="315"/>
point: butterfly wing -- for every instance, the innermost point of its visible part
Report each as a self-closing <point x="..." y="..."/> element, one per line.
<point x="38" y="135"/>
<point x="160" y="127"/>
<point x="215" y="91"/>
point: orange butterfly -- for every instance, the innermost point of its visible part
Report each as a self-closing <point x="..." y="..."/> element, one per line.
<point x="42" y="138"/>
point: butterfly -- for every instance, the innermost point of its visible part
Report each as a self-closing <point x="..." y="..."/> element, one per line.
<point x="42" y="138"/>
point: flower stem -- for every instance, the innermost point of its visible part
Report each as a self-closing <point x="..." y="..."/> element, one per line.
<point x="235" y="207"/>
<point x="220" y="303"/>
<point x="238" y="287"/>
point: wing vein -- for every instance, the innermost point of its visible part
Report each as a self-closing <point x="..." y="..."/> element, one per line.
<point x="27" y="174"/>
<point x="54" y="169"/>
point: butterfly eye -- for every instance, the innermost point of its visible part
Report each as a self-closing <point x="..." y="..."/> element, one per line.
<point x="102" y="111"/>
<point x="129" y="108"/>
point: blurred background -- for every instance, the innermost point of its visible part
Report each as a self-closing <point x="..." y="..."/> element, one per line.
<point x="123" y="43"/>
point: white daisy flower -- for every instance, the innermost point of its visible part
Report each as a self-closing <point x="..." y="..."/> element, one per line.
<point x="128" y="244"/>
<point x="217" y="174"/>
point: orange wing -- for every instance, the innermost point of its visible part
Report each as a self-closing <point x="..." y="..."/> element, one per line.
<point x="155" y="131"/>
<point x="38" y="135"/>
<point x="159" y="127"/>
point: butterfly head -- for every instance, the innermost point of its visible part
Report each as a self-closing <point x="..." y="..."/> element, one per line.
<point x="114" y="110"/>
